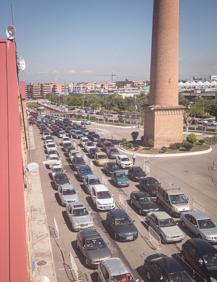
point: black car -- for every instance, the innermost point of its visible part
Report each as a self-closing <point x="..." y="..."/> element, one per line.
<point x="142" y="202"/>
<point x="67" y="147"/>
<point x="95" y="137"/>
<point x="100" y="142"/>
<point x="149" y="185"/>
<point x="110" y="167"/>
<point x="135" y="173"/>
<point x="202" y="257"/>
<point x="60" y="179"/>
<point x="77" y="161"/>
<point x="92" y="152"/>
<point x="120" y="226"/>
<point x="159" y="267"/>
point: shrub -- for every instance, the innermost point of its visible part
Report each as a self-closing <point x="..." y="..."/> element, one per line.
<point x="187" y="145"/>
<point x="201" y="142"/>
<point x="175" y="146"/>
<point x="123" y="141"/>
<point x="163" y="150"/>
<point x="129" y="145"/>
<point x="191" y="138"/>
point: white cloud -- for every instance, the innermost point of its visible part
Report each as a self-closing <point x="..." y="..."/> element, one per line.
<point x="87" y="71"/>
<point x="71" y="71"/>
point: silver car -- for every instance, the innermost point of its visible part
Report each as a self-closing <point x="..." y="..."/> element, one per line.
<point x="79" y="216"/>
<point x="165" y="226"/>
<point x="67" y="194"/>
<point x="114" y="269"/>
<point x="200" y="225"/>
<point x="92" y="247"/>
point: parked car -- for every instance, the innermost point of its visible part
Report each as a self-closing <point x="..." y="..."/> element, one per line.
<point x="123" y="161"/>
<point x="100" y="159"/>
<point x="165" y="226"/>
<point x="56" y="169"/>
<point x="202" y="257"/>
<point x="107" y="144"/>
<point x="67" y="194"/>
<point x="120" y="226"/>
<point x="135" y="173"/>
<point x="110" y="167"/>
<point x="78" y="216"/>
<point x="100" y="142"/>
<point x="173" y="200"/>
<point x="83" y="140"/>
<point x="60" y="179"/>
<point x="200" y="224"/>
<point x="67" y="146"/>
<point x="77" y="161"/>
<point x="95" y="137"/>
<point x="119" y="178"/>
<point x="50" y="146"/>
<point x="112" y="153"/>
<point x="159" y="267"/>
<point x="77" y="134"/>
<point x="114" y="269"/>
<point x="88" y="144"/>
<point x="92" y="247"/>
<point x="90" y="181"/>
<point x="73" y="153"/>
<point x="102" y="198"/>
<point x="82" y="171"/>
<point x="142" y="202"/>
<point x="149" y="185"/>
<point x="92" y="152"/>
<point x="52" y="159"/>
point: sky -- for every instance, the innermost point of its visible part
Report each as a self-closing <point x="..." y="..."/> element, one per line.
<point x="88" y="40"/>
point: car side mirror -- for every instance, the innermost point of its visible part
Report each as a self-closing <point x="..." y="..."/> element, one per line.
<point x="200" y="261"/>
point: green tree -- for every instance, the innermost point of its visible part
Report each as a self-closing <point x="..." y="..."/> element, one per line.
<point x="182" y="100"/>
<point x="212" y="109"/>
<point x="192" y="138"/>
<point x="134" y="135"/>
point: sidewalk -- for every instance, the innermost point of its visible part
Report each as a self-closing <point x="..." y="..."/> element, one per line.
<point x="42" y="258"/>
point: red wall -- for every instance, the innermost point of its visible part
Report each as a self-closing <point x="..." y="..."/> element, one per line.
<point x="13" y="262"/>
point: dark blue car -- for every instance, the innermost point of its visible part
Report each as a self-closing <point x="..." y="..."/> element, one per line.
<point x="82" y="171"/>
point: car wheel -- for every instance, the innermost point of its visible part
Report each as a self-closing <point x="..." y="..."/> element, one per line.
<point x="162" y="239"/>
<point x="140" y="211"/>
<point x="131" y="203"/>
<point x="115" y="237"/>
<point x="87" y="263"/>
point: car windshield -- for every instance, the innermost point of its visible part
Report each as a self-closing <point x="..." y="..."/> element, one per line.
<point x="54" y="158"/>
<point x="79" y="161"/>
<point x="50" y="145"/>
<point x="210" y="260"/>
<point x="120" y="175"/>
<point x="94" y="181"/>
<point x="122" y="221"/>
<point x="139" y="171"/>
<point x="114" y="151"/>
<point x="103" y="195"/>
<point x="179" y="277"/>
<point x="122" y="278"/>
<point x="178" y="199"/>
<point x="125" y="160"/>
<point x="145" y="200"/>
<point x="94" y="244"/>
<point x="113" y="166"/>
<point x="56" y="170"/>
<point x="68" y="192"/>
<point x="167" y="222"/>
<point x="101" y="156"/>
<point x="89" y="144"/>
<point x="205" y="223"/>
<point x="85" y="170"/>
<point x="80" y="212"/>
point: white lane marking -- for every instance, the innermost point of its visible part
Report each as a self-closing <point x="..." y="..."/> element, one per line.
<point x="56" y="228"/>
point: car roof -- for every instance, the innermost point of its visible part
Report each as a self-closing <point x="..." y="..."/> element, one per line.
<point x="100" y="188"/>
<point x="202" y="246"/>
<point x="91" y="176"/>
<point x="198" y="215"/>
<point x="118" y="213"/>
<point x="168" y="264"/>
<point x="161" y="215"/>
<point x="115" y="266"/>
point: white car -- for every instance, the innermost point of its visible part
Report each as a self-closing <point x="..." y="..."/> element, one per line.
<point x="56" y="169"/>
<point x="67" y="194"/>
<point x="78" y="216"/>
<point x="88" y="145"/>
<point x="102" y="197"/>
<point x="123" y="161"/>
<point x="83" y="140"/>
<point x="52" y="159"/>
<point x="50" y="146"/>
<point x="73" y="153"/>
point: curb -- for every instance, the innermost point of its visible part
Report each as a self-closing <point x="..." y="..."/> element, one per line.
<point x="166" y="155"/>
<point x="111" y="125"/>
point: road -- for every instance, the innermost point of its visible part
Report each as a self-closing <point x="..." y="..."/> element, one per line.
<point x="194" y="175"/>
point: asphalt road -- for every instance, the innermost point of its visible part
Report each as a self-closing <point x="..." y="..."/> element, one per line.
<point x="194" y="175"/>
